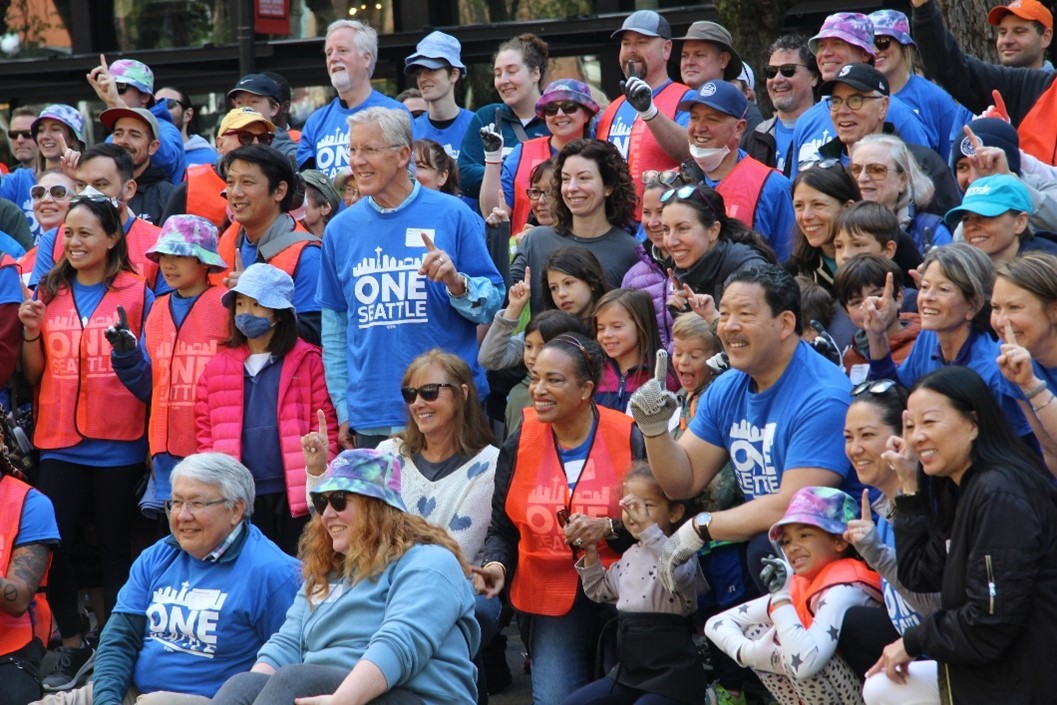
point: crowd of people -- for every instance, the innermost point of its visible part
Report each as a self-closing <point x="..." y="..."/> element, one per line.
<point x="718" y="408"/>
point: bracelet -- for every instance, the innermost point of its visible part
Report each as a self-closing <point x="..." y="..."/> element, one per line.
<point x="1035" y="391"/>
<point x="1040" y="407"/>
<point x="29" y="340"/>
<point x="498" y="563"/>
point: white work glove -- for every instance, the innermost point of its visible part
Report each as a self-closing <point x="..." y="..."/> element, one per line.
<point x="652" y="404"/>
<point x="759" y="652"/>
<point x="492" y="141"/>
<point x="777" y="575"/>
<point x="639" y="94"/>
<point x="680" y="547"/>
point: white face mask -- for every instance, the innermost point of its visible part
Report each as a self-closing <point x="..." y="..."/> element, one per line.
<point x="709" y="158"/>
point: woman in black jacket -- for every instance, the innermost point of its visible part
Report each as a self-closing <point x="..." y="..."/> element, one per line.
<point x="976" y="520"/>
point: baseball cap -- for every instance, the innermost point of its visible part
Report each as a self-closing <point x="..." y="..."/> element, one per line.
<point x="567" y="89"/>
<point x="747" y="75"/>
<point x="270" y="286"/>
<point x="892" y="23"/>
<point x="366" y="472"/>
<point x="188" y="236"/>
<point x="110" y="117"/>
<point x="990" y="196"/>
<point x="719" y="95"/>
<point x="1025" y="10"/>
<point x="65" y="114"/>
<point x="437" y="50"/>
<point x="257" y="84"/>
<point x="824" y="507"/>
<point x="862" y="77"/>
<point x="135" y="73"/>
<point x="854" y="28"/>
<point x="705" y="31"/>
<point x="992" y="132"/>
<point x="237" y="118"/>
<point x="322" y="183"/>
<point x="647" y="22"/>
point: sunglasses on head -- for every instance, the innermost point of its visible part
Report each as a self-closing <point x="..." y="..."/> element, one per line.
<point x="58" y="192"/>
<point x="882" y="42"/>
<point x="24" y="134"/>
<point x="566" y="106"/>
<point x="339" y="500"/>
<point x="873" y="386"/>
<point x="787" y="70"/>
<point x="247" y="138"/>
<point x="95" y="198"/>
<point x="668" y="178"/>
<point x="429" y="392"/>
<point x="688" y="191"/>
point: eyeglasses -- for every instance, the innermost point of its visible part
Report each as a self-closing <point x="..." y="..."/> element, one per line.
<point x="429" y="392"/>
<point x="171" y="103"/>
<point x="566" y="106"/>
<point x="569" y="340"/>
<point x="247" y="138"/>
<point x="882" y="42"/>
<point x="24" y="134"/>
<point x="787" y="70"/>
<point x="369" y="152"/>
<point x="95" y="198"/>
<point x="876" y="172"/>
<point x="665" y="178"/>
<point x="535" y="194"/>
<point x="854" y="101"/>
<point x="685" y="192"/>
<point x="820" y="164"/>
<point x="873" y="386"/>
<point x="194" y="506"/>
<point x="338" y="500"/>
<point x="58" y="192"/>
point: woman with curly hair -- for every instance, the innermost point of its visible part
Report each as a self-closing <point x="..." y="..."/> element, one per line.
<point x="593" y="206"/>
<point x="385" y="614"/>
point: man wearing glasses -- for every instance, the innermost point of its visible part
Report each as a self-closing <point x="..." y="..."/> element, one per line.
<point x="20" y="137"/>
<point x="199" y="603"/>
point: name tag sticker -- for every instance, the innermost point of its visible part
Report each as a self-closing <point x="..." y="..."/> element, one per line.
<point x="413" y="236"/>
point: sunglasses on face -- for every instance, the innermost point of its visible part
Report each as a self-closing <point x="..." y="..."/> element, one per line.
<point x="875" y="386"/>
<point x="787" y="70"/>
<point x="429" y="392"/>
<point x="58" y="192"/>
<point x="247" y="138"/>
<point x="24" y="134"/>
<point x="122" y="88"/>
<point x="339" y="500"/>
<point x="882" y="42"/>
<point x="566" y="106"/>
<point x="171" y="103"/>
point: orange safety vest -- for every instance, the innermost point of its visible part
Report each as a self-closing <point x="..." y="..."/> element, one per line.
<point x="286" y="260"/>
<point x="295" y="136"/>
<point x="533" y="152"/>
<point x="1038" y="137"/>
<point x="16" y="632"/>
<point x="545" y="581"/>
<point x="644" y="153"/>
<point x="80" y="395"/>
<point x="203" y="194"/>
<point x="178" y="356"/>
<point x="741" y="188"/>
<point x="26" y="263"/>
<point x="140" y="237"/>
<point x="846" y="571"/>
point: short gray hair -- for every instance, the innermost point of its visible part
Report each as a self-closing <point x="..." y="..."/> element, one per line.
<point x="365" y="39"/>
<point x="920" y="188"/>
<point x="395" y="124"/>
<point x="232" y="477"/>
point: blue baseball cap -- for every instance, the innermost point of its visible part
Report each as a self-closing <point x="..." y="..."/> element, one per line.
<point x="991" y="196"/>
<point x="437" y="50"/>
<point x="719" y="95"/>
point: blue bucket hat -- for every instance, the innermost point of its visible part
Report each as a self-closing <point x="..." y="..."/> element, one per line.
<point x="437" y="50"/>
<point x="991" y="196"/>
<point x="366" y="472"/>
<point x="719" y="95"/>
<point x="270" y="286"/>
<point x="892" y="23"/>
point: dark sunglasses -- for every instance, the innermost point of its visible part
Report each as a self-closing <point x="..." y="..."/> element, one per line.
<point x="429" y="392"/>
<point x="787" y="70"/>
<point x="882" y="42"/>
<point x="247" y="138"/>
<point x="24" y="134"/>
<point x="171" y="103"/>
<point x="339" y="500"/>
<point x="820" y="164"/>
<point x="58" y="192"/>
<point x="121" y="88"/>
<point x="566" y="106"/>
<point x="873" y="386"/>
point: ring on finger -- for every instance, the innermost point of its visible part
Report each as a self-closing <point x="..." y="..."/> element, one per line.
<point x="578" y="543"/>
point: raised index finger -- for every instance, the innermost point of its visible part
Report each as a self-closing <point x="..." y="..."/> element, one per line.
<point x="660" y="372"/>
<point x="122" y="317"/>
<point x="27" y="293"/>
<point x="866" y="514"/>
<point x="1009" y="336"/>
<point x="430" y="247"/>
<point x="1000" y="105"/>
<point x="322" y="418"/>
<point x="102" y="62"/>
<point x="888" y="289"/>
<point x="973" y="139"/>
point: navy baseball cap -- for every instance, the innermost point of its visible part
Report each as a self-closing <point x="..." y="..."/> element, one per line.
<point x="257" y="84"/>
<point x="718" y="95"/>
<point x="861" y="77"/>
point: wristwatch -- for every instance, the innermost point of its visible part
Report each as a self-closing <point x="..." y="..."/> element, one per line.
<point x="700" y="524"/>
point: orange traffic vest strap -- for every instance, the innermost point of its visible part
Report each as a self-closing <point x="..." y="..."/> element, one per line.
<point x="140" y="237"/>
<point x="1038" y="136"/>
<point x="545" y="581"/>
<point x="16" y="632"/>
<point x="295" y="136"/>
<point x="846" y="571"/>
<point x="79" y="393"/>
<point x="286" y="260"/>
<point x="178" y="356"/>
<point x="533" y="152"/>
<point x="741" y="188"/>
<point x="203" y="194"/>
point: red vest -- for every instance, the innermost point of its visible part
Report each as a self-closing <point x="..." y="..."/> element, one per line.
<point x="203" y="194"/>
<point x="741" y="188"/>
<point x="16" y="632"/>
<point x="533" y="152"/>
<point x="846" y="571"/>
<point x="140" y="237"/>
<point x="178" y="356"/>
<point x="545" y="581"/>
<point x="286" y="260"/>
<point x="80" y="396"/>
<point x="644" y="153"/>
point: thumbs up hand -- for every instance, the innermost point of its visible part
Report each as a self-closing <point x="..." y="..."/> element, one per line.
<point x="120" y="337"/>
<point x="652" y="404"/>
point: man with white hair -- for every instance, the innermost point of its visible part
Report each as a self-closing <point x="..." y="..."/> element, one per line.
<point x="351" y="49"/>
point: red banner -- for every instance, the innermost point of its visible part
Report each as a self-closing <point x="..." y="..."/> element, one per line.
<point x="271" y="16"/>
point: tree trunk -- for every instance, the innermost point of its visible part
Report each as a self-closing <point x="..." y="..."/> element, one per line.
<point x="967" y="20"/>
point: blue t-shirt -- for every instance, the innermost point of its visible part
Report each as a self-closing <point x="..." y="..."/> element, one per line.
<point x="793" y="424"/>
<point x="935" y="107"/>
<point x="15" y="188"/>
<point x="620" y="128"/>
<point x="392" y="312"/>
<point x="205" y="620"/>
<point x="450" y="137"/>
<point x="902" y="615"/>
<point x="10" y="286"/>
<point x="325" y="137"/>
<point x="37" y="523"/>
<point x="783" y="142"/>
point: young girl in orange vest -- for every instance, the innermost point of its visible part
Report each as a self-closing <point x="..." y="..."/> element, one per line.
<point x="657" y="656"/>
<point x="89" y="428"/>
<point x="789" y="637"/>
<point x="181" y="336"/>
<point x="260" y="394"/>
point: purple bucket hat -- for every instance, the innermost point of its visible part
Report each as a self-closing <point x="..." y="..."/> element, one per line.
<point x="567" y="89"/>
<point x="65" y="114"/>
<point x="367" y="472"/>
<point x="854" y="28"/>
<point x="188" y="236"/>
<point x="135" y="73"/>
<point x="892" y="23"/>
<point x="825" y="507"/>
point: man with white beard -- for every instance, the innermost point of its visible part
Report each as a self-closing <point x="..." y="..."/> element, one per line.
<point x="351" y="51"/>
